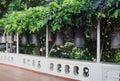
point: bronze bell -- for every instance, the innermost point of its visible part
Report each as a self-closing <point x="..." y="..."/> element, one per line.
<point x="3" y="38"/>
<point x="59" y="38"/>
<point x="115" y="39"/>
<point x="34" y="39"/>
<point x="10" y="38"/>
<point x="49" y="37"/>
<point x="79" y="40"/>
<point x="24" y="39"/>
<point x="15" y="37"/>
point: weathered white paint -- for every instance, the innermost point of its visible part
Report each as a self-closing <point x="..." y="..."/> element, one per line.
<point x="17" y="44"/>
<point x="6" y="43"/>
<point x="98" y="41"/>
<point x="47" y="42"/>
<point x="97" y="71"/>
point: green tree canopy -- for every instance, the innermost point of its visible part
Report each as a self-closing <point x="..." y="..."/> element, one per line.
<point x="59" y="14"/>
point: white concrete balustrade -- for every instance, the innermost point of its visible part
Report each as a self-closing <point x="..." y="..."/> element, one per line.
<point x="83" y="71"/>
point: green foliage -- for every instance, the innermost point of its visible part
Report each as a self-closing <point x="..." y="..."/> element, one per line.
<point x="117" y="58"/>
<point x="11" y="22"/>
<point x="116" y="13"/>
<point x="69" y="51"/>
<point x="24" y="4"/>
<point x="27" y="49"/>
<point x="33" y="19"/>
<point x="16" y="5"/>
<point x="4" y="6"/>
<point x="56" y="16"/>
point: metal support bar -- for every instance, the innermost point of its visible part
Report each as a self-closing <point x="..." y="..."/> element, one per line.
<point x="6" y="43"/>
<point x="98" y="42"/>
<point x="47" y="42"/>
<point x="17" y="50"/>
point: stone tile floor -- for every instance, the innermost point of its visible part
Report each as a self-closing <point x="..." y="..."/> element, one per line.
<point x="10" y="73"/>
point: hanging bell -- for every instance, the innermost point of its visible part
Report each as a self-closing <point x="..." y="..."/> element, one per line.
<point x="115" y="39"/>
<point x="15" y="37"/>
<point x="79" y="40"/>
<point x="3" y="39"/>
<point x="24" y="39"/>
<point x="34" y="39"/>
<point x="93" y="34"/>
<point x="49" y="37"/>
<point x="59" y="38"/>
<point x="9" y="38"/>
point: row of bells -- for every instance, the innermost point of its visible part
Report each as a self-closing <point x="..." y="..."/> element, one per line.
<point x="79" y="39"/>
<point x="25" y="38"/>
<point x="9" y="38"/>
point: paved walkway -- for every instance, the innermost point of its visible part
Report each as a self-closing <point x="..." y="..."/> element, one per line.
<point x="10" y="73"/>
